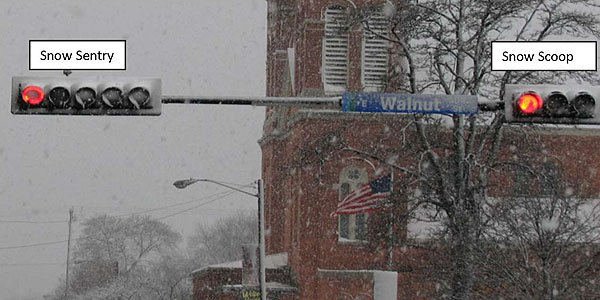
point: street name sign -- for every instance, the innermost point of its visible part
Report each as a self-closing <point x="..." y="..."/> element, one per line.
<point x="410" y="103"/>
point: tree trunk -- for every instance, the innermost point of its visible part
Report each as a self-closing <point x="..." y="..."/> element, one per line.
<point x="463" y="277"/>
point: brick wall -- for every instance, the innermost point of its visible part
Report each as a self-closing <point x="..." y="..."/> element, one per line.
<point x="301" y="193"/>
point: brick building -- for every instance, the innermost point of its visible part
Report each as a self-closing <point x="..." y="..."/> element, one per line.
<point x="312" y="255"/>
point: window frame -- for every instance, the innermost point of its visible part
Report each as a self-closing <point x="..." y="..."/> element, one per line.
<point x="348" y="177"/>
<point x="331" y="84"/>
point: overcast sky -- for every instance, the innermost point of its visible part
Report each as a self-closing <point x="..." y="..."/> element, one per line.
<point x="120" y="165"/>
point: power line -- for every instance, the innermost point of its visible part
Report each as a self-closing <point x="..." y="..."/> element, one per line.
<point x="33" y="245"/>
<point x="222" y="195"/>
<point x="172" y="205"/>
<point x="32" y="222"/>
<point x="193" y="207"/>
<point x="32" y="264"/>
<point x="134" y="213"/>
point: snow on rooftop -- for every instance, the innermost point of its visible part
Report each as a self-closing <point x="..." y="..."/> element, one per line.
<point x="227" y="265"/>
<point x="272" y="261"/>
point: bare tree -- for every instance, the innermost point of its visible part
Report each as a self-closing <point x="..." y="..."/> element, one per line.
<point x="139" y="284"/>
<point x="108" y="256"/>
<point x="222" y="241"/>
<point x="122" y="240"/>
<point x="58" y="293"/>
<point x="172" y="273"/>
<point x="543" y="245"/>
<point x="112" y="247"/>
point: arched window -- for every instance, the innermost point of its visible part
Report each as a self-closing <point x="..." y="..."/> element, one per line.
<point x="352" y="227"/>
<point x="335" y="50"/>
<point x="374" y="54"/>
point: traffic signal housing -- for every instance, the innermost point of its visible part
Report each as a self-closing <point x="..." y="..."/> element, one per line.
<point x="559" y="104"/>
<point x="86" y="96"/>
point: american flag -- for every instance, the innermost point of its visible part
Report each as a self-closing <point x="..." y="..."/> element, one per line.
<point x="365" y="198"/>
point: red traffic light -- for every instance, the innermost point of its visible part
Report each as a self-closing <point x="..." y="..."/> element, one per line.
<point x="530" y="103"/>
<point x="33" y="95"/>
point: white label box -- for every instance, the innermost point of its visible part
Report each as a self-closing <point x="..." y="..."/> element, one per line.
<point x="77" y="55"/>
<point x="544" y="56"/>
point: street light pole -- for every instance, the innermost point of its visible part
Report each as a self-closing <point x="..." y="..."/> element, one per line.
<point x="261" y="239"/>
<point x="260" y="195"/>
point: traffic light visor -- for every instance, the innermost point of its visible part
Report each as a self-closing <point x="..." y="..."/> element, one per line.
<point x="59" y="96"/>
<point x="584" y="105"/>
<point x="33" y="95"/>
<point x="530" y="103"/>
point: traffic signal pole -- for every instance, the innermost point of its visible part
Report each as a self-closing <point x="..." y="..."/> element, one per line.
<point x="332" y="102"/>
<point x="322" y="102"/>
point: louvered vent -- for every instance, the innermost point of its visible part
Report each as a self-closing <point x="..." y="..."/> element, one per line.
<point x="374" y="53"/>
<point x="335" y="50"/>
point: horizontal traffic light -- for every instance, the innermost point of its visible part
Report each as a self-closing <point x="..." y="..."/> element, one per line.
<point x="566" y="104"/>
<point x="82" y="96"/>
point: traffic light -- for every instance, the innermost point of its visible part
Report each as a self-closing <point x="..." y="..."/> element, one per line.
<point x="561" y="104"/>
<point x="86" y="96"/>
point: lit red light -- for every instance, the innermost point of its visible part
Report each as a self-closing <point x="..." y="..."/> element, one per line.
<point x="529" y="103"/>
<point x="33" y="95"/>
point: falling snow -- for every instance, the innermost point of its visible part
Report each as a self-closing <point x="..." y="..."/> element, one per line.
<point x="549" y="225"/>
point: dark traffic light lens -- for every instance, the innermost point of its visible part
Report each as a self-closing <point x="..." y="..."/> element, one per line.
<point x="59" y="96"/>
<point x="557" y="104"/>
<point x="584" y="105"/>
<point x="529" y="103"/>
<point x="112" y="97"/>
<point x="85" y="96"/>
<point x="139" y="96"/>
<point x="33" y="95"/>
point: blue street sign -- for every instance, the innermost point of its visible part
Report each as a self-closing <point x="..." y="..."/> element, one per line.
<point x="410" y="103"/>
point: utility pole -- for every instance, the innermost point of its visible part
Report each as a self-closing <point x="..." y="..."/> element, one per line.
<point x="68" y="252"/>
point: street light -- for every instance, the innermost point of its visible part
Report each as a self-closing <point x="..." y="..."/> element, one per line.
<point x="260" y="195"/>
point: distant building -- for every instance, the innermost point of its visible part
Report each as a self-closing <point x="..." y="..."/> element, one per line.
<point x="312" y="255"/>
